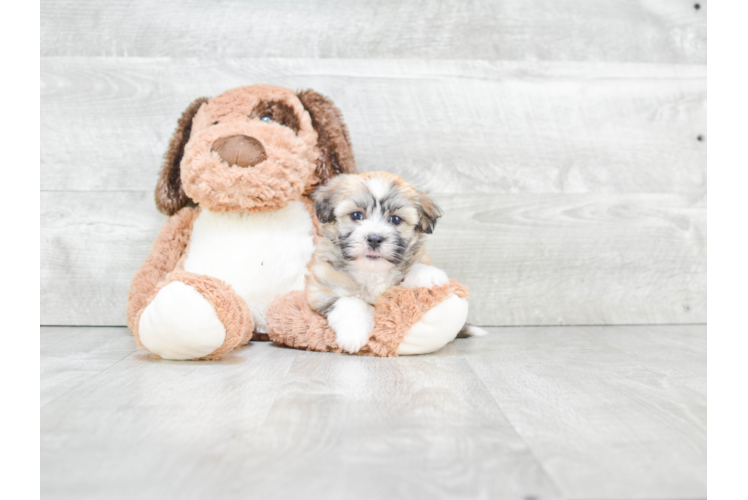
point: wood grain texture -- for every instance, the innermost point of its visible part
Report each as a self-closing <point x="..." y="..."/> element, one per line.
<point x="548" y="259"/>
<point x="616" y="412"/>
<point x="576" y="259"/>
<point x="271" y="422"/>
<point x="560" y="137"/>
<point x="91" y="246"/>
<point x="417" y="427"/>
<point x="71" y="356"/>
<point x="547" y="412"/>
<point x="449" y="126"/>
<point x="663" y="31"/>
<point x="144" y="427"/>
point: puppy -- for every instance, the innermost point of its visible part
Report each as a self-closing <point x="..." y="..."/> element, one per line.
<point x="374" y="227"/>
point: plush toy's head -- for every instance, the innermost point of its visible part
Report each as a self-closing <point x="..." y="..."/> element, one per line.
<point x="253" y="148"/>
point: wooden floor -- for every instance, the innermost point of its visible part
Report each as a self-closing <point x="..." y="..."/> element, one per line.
<point x="529" y="413"/>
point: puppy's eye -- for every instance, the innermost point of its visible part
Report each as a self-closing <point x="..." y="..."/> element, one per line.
<point x="357" y="216"/>
<point x="395" y="220"/>
<point x="266" y="118"/>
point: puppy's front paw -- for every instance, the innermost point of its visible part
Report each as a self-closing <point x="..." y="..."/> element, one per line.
<point x="422" y="275"/>
<point x="352" y="320"/>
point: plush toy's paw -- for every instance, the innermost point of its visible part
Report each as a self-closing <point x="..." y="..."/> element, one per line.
<point x="352" y="320"/>
<point x="180" y="324"/>
<point x="436" y="328"/>
<point x="422" y="275"/>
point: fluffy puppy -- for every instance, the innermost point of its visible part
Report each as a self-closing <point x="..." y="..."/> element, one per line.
<point x="374" y="227"/>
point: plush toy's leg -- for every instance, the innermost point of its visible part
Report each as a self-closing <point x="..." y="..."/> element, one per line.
<point x="440" y="324"/>
<point x="193" y="316"/>
<point x="437" y="327"/>
<point x="421" y="320"/>
<point x="418" y="320"/>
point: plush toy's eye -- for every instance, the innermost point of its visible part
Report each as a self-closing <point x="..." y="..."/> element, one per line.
<point x="357" y="216"/>
<point x="266" y="118"/>
<point x="395" y="220"/>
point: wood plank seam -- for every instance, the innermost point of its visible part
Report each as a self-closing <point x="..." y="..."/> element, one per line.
<point x="546" y="475"/>
<point x="92" y="377"/>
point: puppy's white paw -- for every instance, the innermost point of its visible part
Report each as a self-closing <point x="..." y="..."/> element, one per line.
<point x="422" y="275"/>
<point x="352" y="320"/>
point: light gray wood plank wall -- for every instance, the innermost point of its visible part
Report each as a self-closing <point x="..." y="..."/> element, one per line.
<point x="544" y="259"/>
<point x="561" y="138"/>
<point x="92" y="243"/>
<point x="664" y="31"/>
<point x="451" y="127"/>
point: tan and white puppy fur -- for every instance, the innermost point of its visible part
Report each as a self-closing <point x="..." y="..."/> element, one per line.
<point x="374" y="227"/>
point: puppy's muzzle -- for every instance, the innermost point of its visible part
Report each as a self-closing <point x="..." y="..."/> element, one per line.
<point x="240" y="150"/>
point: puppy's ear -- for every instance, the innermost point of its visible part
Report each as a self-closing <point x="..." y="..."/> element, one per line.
<point x="325" y="198"/>
<point x="428" y="212"/>
<point x="170" y="197"/>
<point x="334" y="143"/>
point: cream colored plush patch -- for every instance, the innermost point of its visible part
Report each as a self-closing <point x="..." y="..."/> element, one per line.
<point x="437" y="327"/>
<point x="261" y="255"/>
<point x="180" y="324"/>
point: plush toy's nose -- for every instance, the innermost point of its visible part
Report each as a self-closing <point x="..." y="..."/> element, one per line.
<point x="240" y="150"/>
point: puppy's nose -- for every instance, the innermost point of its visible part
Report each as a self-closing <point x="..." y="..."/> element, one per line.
<point x="240" y="150"/>
<point x="374" y="240"/>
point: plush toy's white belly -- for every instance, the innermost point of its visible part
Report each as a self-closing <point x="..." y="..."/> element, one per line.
<point x="261" y="255"/>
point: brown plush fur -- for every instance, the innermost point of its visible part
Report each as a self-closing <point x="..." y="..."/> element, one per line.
<point x="170" y="196"/>
<point x="290" y="157"/>
<point x="165" y="263"/>
<point x="306" y="143"/>
<point x="317" y="233"/>
<point x="167" y="251"/>
<point x="334" y="143"/>
<point x="194" y="175"/>
<point x="231" y="309"/>
<point x="279" y="112"/>
<point x="400" y="308"/>
<point x="293" y="323"/>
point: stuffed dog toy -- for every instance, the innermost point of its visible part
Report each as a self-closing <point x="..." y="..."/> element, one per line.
<point x="230" y="263"/>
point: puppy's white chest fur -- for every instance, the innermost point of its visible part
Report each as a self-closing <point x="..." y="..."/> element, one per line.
<point x="375" y="277"/>
<point x="261" y="255"/>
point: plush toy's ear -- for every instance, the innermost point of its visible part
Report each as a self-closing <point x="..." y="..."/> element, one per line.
<point x="428" y="212"/>
<point x="334" y="143"/>
<point x="170" y="197"/>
